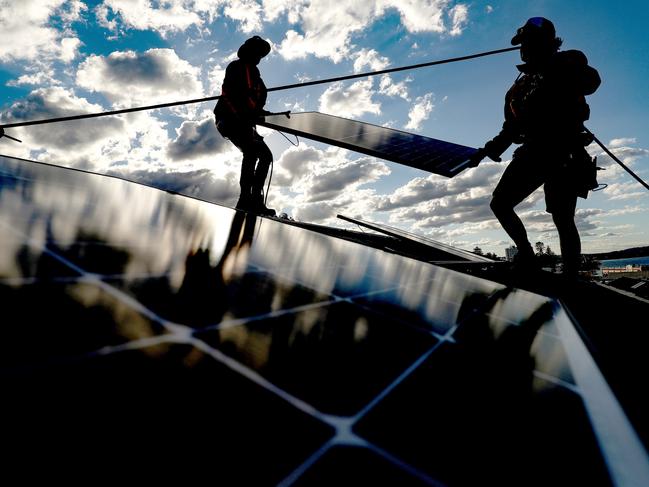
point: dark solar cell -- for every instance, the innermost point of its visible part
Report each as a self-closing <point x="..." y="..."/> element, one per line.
<point x="149" y="331"/>
<point x="412" y="150"/>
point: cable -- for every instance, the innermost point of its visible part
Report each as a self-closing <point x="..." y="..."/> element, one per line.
<point x="277" y="88"/>
<point x="612" y="156"/>
<point x="289" y="140"/>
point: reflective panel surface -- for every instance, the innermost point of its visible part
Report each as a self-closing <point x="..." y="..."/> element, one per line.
<point x="152" y="334"/>
<point x="418" y="151"/>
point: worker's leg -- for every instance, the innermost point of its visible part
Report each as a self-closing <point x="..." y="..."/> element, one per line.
<point x="521" y="178"/>
<point x="243" y="138"/>
<point x="561" y="202"/>
<point x="265" y="158"/>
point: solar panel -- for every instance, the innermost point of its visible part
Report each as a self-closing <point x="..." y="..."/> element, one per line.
<point x="418" y="151"/>
<point x="460" y="254"/>
<point x="139" y="325"/>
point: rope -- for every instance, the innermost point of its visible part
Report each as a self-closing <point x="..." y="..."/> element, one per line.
<point x="277" y="88"/>
<point x="612" y="156"/>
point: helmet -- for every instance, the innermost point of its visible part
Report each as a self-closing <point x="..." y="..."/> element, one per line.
<point x="535" y="29"/>
<point x="255" y="47"/>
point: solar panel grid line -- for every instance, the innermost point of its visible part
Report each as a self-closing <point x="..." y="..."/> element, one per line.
<point x="182" y="334"/>
<point x="623" y="451"/>
<point x="21" y="281"/>
<point x="408" y="468"/>
<point x="556" y="381"/>
<point x="398" y="381"/>
<point x="301" y="469"/>
<point x="227" y="324"/>
<point x="296" y="402"/>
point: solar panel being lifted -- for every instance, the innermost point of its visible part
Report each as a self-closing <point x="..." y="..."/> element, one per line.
<point x="418" y="151"/>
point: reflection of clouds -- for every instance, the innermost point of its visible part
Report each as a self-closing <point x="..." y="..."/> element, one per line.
<point x="155" y="230"/>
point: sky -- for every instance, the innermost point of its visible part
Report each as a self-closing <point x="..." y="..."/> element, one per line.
<point x="66" y="57"/>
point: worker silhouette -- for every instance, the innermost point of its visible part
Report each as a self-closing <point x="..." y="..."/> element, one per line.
<point x="545" y="110"/>
<point x="242" y="100"/>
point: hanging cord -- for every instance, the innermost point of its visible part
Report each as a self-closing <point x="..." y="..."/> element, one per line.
<point x="297" y="139"/>
<point x="277" y="88"/>
<point x="612" y="156"/>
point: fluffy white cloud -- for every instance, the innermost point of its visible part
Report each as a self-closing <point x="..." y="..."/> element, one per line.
<point x="388" y="87"/>
<point x="71" y="136"/>
<point x="351" y="101"/>
<point x="370" y="58"/>
<point x="197" y="139"/>
<point x="247" y="12"/>
<point x="459" y="17"/>
<point x="39" y="74"/>
<point x="427" y="189"/>
<point x="128" y="77"/>
<point x="316" y="183"/>
<point x="26" y="32"/>
<point x="167" y="17"/>
<point x="327" y="32"/>
<point x="420" y="111"/>
<point x="200" y="183"/>
<point x="335" y="182"/>
<point x="173" y="16"/>
<point x="621" y="142"/>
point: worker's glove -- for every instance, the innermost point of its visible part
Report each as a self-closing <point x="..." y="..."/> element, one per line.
<point x="476" y="157"/>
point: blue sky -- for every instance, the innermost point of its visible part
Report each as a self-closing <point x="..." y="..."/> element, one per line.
<point x="61" y="57"/>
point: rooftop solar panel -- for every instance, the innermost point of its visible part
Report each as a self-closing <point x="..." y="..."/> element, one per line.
<point x="140" y="325"/>
<point x="418" y="151"/>
<point x="460" y="254"/>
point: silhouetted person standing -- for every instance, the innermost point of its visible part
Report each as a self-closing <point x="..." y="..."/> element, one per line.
<point x="544" y="111"/>
<point x="242" y="101"/>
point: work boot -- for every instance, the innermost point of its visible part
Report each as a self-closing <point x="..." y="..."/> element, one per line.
<point x="525" y="261"/>
<point x="245" y="202"/>
<point x="259" y="207"/>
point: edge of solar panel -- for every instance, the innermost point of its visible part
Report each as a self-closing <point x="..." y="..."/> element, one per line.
<point x="448" y="168"/>
<point x="399" y="233"/>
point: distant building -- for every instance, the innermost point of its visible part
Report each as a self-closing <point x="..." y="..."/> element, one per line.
<point x="619" y="270"/>
<point x="510" y="252"/>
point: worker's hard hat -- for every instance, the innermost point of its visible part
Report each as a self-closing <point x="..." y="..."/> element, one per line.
<point x="255" y="47"/>
<point x="535" y="29"/>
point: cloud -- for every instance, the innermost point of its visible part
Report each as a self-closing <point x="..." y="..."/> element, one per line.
<point x="174" y="16"/>
<point x="420" y="111"/>
<point x="247" y="12"/>
<point x="624" y="191"/>
<point x="434" y="187"/>
<point x="201" y="183"/>
<point x="621" y="142"/>
<point x="55" y="102"/>
<point x="459" y="16"/>
<point x="128" y="77"/>
<point x="170" y="16"/>
<point x="296" y="163"/>
<point x="371" y="59"/>
<point x="388" y="87"/>
<point x="197" y="139"/>
<point x="327" y="32"/>
<point x="27" y="33"/>
<point x="313" y="184"/>
<point x="41" y="74"/>
<point x="328" y="185"/>
<point x="351" y="101"/>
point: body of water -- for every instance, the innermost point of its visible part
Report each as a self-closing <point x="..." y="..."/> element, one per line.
<point x="625" y="262"/>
